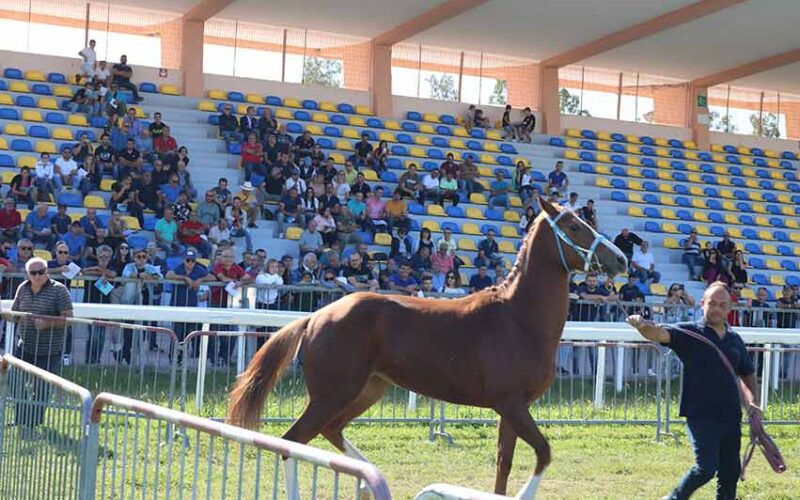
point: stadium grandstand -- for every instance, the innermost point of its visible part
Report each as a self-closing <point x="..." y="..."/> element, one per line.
<point x="312" y="149"/>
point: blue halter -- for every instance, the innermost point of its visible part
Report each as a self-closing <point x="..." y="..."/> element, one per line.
<point x="587" y="254"/>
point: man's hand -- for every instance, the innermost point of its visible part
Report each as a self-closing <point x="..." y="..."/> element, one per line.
<point x="40" y="324"/>
<point x="755" y="409"/>
<point x="638" y="322"/>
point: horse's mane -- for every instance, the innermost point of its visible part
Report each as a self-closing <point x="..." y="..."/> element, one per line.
<point x="522" y="255"/>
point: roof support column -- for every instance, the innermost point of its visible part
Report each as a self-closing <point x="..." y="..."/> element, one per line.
<point x="192" y="58"/>
<point x="382" y="104"/>
<point x="698" y="116"/>
<point x="549" y="109"/>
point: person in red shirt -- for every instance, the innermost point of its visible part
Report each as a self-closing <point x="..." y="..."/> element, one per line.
<point x="190" y="233"/>
<point x="226" y="271"/>
<point x="10" y="220"/>
<point x="253" y="159"/>
<point x="167" y="148"/>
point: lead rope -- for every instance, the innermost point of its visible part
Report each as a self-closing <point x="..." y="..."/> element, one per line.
<point x="758" y="435"/>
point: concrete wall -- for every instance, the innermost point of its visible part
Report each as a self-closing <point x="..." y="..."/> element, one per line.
<point x="70" y="66"/>
<point x="608" y="125"/>
<point x="402" y="105"/>
<point x="296" y="90"/>
<point x="754" y="142"/>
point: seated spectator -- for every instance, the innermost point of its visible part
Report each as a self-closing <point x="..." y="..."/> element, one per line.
<point x="229" y="126"/>
<point x="527" y="218"/>
<point x="24" y="254"/>
<point x="557" y="179"/>
<point x="380" y="156"/>
<point x="316" y="183"/>
<point x="341" y="187"/>
<point x="448" y="190"/>
<point x="480" y="280"/>
<point x="38" y="226"/>
<point x="589" y="214"/>
<point x="144" y="144"/>
<point x="712" y="268"/>
<point x="296" y="182"/>
<point x="10" y="221"/>
<point x="117" y="227"/>
<point x="361" y="186"/>
<point x="590" y="291"/>
<point x="274" y="184"/>
<point x="66" y="169"/>
<point x="156" y="127"/>
<point x="397" y="211"/>
<point x="328" y="199"/>
<point x="358" y="209"/>
<point x="499" y="191"/>
<point x="236" y="213"/>
<point x="410" y="183"/>
<point x="326" y="225"/>
<point x="490" y="248"/>
<point x="82" y="149"/>
<point x="23" y="188"/>
<point x="358" y="274"/>
<point x="60" y="222"/>
<point x="267" y="125"/>
<point x="125" y="196"/>
<point x="283" y="139"/>
<point x="191" y="234"/>
<point x="726" y="248"/>
<point x="350" y="173"/>
<point x="133" y="125"/>
<point x="403" y="280"/>
<point x="222" y="194"/>
<point x="468" y="176"/>
<point x="737" y="269"/>
<point x="150" y="195"/>
<point x="630" y="291"/>
<point x="61" y="261"/>
<point x="46" y="180"/>
<point x="676" y="304"/>
<point x="129" y="161"/>
<point x="252" y="158"/>
<point x="526" y="127"/>
<point x="181" y="207"/>
<point x="115" y="104"/>
<point x="429" y="188"/>
<point x="691" y="255"/>
<point x="248" y="124"/>
<point x="421" y="262"/>
<point x="328" y="169"/>
<point x="85" y="100"/>
<point x="302" y="148"/>
<point x="122" y="257"/>
<point x="469" y="118"/>
<point x="755" y="316"/>
<point x="91" y="223"/>
<point x="288" y="211"/>
<point x="482" y="121"/>
<point x="442" y="260"/>
<point x="219" y="233"/>
<point x="452" y="284"/>
<point x="449" y="165"/>
<point x="311" y="240"/>
<point x="526" y="188"/>
<point x="643" y="264"/>
<point x="166" y="148"/>
<point x="555" y="198"/>
<point x="252" y="201"/>
<point x="208" y="212"/>
<point x="347" y="225"/>
<point x="363" y="152"/>
<point x="425" y="240"/>
<point x="401" y="247"/>
<point x="166" y="234"/>
<point x="102" y="77"/>
<point x="171" y="190"/>
<point x="121" y="74"/>
<point x="626" y="241"/>
<point x="572" y="203"/>
<point x="376" y="213"/>
<point x="88" y="176"/>
<point x="185" y="179"/>
<point x="105" y="156"/>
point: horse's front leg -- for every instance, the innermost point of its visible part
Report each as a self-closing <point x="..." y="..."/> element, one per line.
<point x="517" y="416"/>
<point x="506" y="441"/>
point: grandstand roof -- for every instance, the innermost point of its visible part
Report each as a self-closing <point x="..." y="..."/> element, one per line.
<point x="730" y="34"/>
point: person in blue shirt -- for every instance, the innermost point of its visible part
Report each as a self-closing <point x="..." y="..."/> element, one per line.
<point x="75" y="241"/>
<point x="558" y="180"/>
<point x="172" y="189"/>
<point x="189" y="276"/>
<point x="499" y="187"/>
<point x="480" y="280"/>
<point x="710" y="398"/>
<point x="403" y="280"/>
<point x="38" y="226"/>
<point x="90" y="222"/>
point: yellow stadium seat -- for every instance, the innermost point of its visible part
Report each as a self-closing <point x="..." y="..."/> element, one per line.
<point x="387" y="136"/>
<point x="771" y="153"/>
<point x="773" y="163"/>
<point x="283" y="114"/>
<point x="768" y="248"/>
<point x="18" y="86"/>
<point x="344" y="145"/>
<point x="62" y="91"/>
<point x="431" y="118"/>
<point x="475" y="213"/>
<point x="493" y="135"/>
<point x="168" y="89"/>
<point x="6" y="99"/>
<point x="506" y="247"/>
<point x="47" y="103"/>
<point x="255" y="99"/>
<point x="689" y="145"/>
<point x="511" y="216"/>
<point x="422" y="140"/>
<point x="485" y="172"/>
<point x="671" y="243"/>
<point x="507" y="231"/>
<point x="601" y="146"/>
<point x="703" y="230"/>
<point x="383" y="239"/>
<point x="573" y="132"/>
<point x="62" y="134"/>
<point x="735" y="232"/>
<point x="766" y="235"/>
<point x="635" y="198"/>
<point x="472" y="228"/>
<point x="603" y="158"/>
<point x="635" y="185"/>
<point x="776" y="279"/>
<point x="460" y="132"/>
<point x="241" y="109"/>
<point x="634" y="172"/>
<point x="106" y="184"/>
<point x="690" y="155"/>
<point x="478" y="199"/>
<point x="490" y="159"/>
<point x="392" y="125"/>
<point x="432" y="226"/>
<point x="43" y="254"/>
<point x="602" y="182"/>
<point x="132" y="223"/>
<point x="370" y="175"/>
<point x="321" y="118"/>
<point x="32" y="116"/>
<point x="35" y="76"/>
<point x="633" y="139"/>
<point x="293" y="233"/>
<point x="291" y="102"/>
<point x="658" y="289"/>
<point x="426" y="128"/>
<point x="662" y="152"/>
<point x="773" y="264"/>
<point x="338" y="158"/>
<point x="669" y="227"/>
<point x="748" y="294"/>
<point x="45" y="147"/>
<point x="78" y="120"/>
<point x="604" y="136"/>
<point x="467" y="261"/>
<point x="664" y="175"/>
<point x="418" y="152"/>
<point x="730" y="219"/>
<point x="362" y="109"/>
<point x="94" y="201"/>
<point x="492" y="147"/>
<point x="717" y="148"/>
<point x="207" y="106"/>
<point x="356" y="121"/>
<point x="26" y="161"/>
<point x="436" y="210"/>
<point x="668" y="213"/>
<point x="8" y="176"/>
<point x="351" y="133"/>
<point x="755" y="196"/>
<point x="3" y="144"/>
<point x="759" y="208"/>
<point x="328" y="106"/>
<point x="219" y="95"/>
<point x="467" y="245"/>
<point x="760" y="220"/>
<point x="516" y="202"/>
<point x="665" y="199"/>
<point x="634" y="211"/>
<point x="15" y="129"/>
<point x="457" y="143"/>
<point x="634" y="160"/>
<point x="700" y="216"/>
<point x="662" y="142"/>
<point x="313" y="129"/>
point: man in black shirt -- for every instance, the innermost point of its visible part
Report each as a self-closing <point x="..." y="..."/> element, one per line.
<point x="249" y="123"/>
<point x="625" y="241"/>
<point x="105" y="156"/>
<point x="303" y="145"/>
<point x="363" y="148"/>
<point x="130" y="161"/>
<point x="360" y="186"/>
<point x="788" y="303"/>
<point x="267" y="124"/>
<point x="283" y="139"/>
<point x="121" y="74"/>
<point x="726" y="248"/>
<point x="150" y="195"/>
<point x="271" y="151"/>
<point x="328" y="199"/>
<point x="229" y="126"/>
<point x="61" y="222"/>
<point x="589" y="214"/>
<point x="274" y="184"/>
<point x="709" y="395"/>
<point x="157" y="127"/>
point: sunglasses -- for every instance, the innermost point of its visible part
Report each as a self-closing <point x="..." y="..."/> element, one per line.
<point x="189" y="260"/>
<point x="62" y="252"/>
<point x="141" y="256"/>
<point x="123" y="248"/>
<point x="37" y="272"/>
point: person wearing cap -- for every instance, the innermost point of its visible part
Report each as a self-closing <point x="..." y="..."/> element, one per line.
<point x="190" y="276"/>
<point x="557" y="179"/>
<point x="499" y="191"/>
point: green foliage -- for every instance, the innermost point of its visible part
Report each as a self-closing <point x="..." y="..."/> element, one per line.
<point x="500" y="93"/>
<point x="570" y="104"/>
<point x="322" y="72"/>
<point x="443" y="88"/>
<point x="722" y="123"/>
<point x="768" y="126"/>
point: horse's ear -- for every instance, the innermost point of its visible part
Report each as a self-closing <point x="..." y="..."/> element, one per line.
<point x="547" y="207"/>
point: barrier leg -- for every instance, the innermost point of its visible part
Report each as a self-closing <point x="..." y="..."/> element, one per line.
<point x="766" y="367"/>
<point x="412" y="402"/>
<point x="599" y="378"/>
<point x="201" y="371"/>
<point x="619" y="369"/>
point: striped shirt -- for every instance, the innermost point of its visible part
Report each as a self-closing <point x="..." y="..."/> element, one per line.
<point x="52" y="300"/>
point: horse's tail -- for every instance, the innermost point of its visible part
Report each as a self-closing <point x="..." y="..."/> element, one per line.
<point x="263" y="372"/>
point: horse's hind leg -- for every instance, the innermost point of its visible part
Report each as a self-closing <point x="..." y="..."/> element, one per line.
<point x="520" y="420"/>
<point x="506" y="442"/>
<point x="370" y="394"/>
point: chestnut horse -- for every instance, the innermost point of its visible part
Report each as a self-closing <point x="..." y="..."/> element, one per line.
<point x="493" y="349"/>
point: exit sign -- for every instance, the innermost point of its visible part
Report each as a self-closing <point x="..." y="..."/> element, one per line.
<point x="702" y="101"/>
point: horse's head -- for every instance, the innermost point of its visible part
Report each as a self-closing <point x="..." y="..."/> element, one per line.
<point x="580" y="247"/>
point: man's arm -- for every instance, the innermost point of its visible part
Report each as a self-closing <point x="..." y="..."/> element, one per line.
<point x="749" y="386"/>
<point x="649" y="329"/>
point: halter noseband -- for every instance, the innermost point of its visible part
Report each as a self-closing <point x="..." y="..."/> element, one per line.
<point x="587" y="254"/>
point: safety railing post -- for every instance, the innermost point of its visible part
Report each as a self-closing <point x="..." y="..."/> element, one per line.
<point x="600" y="376"/>
<point x="619" y="368"/>
<point x="766" y="367"/>
<point x="201" y="370"/>
<point x="659" y="394"/>
<point x="87" y="484"/>
<point x="3" y="400"/>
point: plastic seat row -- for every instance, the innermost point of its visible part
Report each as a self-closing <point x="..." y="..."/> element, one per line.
<point x="732" y="176"/>
<point x="58" y="117"/>
<point x="702" y="203"/>
<point x="781" y="225"/>
<point x="736" y="233"/>
<point x="676" y="154"/>
<point x="753" y="249"/>
<point x="289" y="102"/>
<point x="27" y="146"/>
<point x="745" y="150"/>
<point x="43" y="102"/>
<point x="61" y="79"/>
<point x="44" y="132"/>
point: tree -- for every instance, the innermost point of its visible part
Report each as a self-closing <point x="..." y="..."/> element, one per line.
<point x="500" y="92"/>
<point x="570" y="104"/>
<point x="322" y="72"/>
<point x="722" y="123"/>
<point x="443" y="88"/>
<point x="768" y="126"/>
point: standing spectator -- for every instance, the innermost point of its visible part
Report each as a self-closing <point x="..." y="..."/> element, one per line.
<point x="41" y="341"/>
<point x="508" y="128"/>
<point x="226" y="271"/>
<point x="557" y="179"/>
<point x="589" y="214"/>
<point x="590" y="291"/>
<point x="691" y="255"/>
<point x="191" y="276"/>
<point x="726" y="248"/>
<point x="229" y="126"/>
<point x="102" y="271"/>
<point x="468" y="176"/>
<point x="737" y="269"/>
<point x="46" y="181"/>
<point x="252" y="158"/>
<point x="166" y="148"/>
<point x="626" y="241"/>
<point x="267" y="282"/>
<point x="89" y="64"/>
<point x="499" y="191"/>
<point x="480" y="280"/>
<point x="122" y="74"/>
<point x="166" y="233"/>
<point x="643" y="264"/>
<point x="248" y="124"/>
<point x="23" y="188"/>
<point x="38" y="226"/>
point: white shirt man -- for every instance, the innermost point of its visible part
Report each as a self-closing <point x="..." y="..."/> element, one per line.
<point x="296" y="182"/>
<point x="572" y="202"/>
<point x="431" y="181"/>
<point x="89" y="57"/>
<point x="44" y="168"/>
<point x="644" y="258"/>
<point x="66" y="166"/>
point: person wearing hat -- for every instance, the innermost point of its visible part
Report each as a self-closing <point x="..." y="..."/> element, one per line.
<point x="189" y="275"/>
<point x="250" y="203"/>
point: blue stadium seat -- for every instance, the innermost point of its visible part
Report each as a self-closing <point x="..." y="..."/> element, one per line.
<point x="416" y="208"/>
<point x="504" y="160"/>
<point x="588" y="145"/>
<point x="651" y="213"/>
<point x="58" y="78"/>
<point x="493" y="214"/>
<point x="235" y="96"/>
<point x="3" y="85"/>
<point x="25" y="101"/>
<point x="749" y="233"/>
<point x="70" y="199"/>
<point x="790" y="176"/>
<point x="685" y="228"/>
<point x="684" y="215"/>
<point x="371" y="134"/>
<point x="474" y="145"/>
<point x="715" y="217"/>
<point x="683" y="201"/>
<point x="452" y="226"/>
<point x="405" y="138"/>
<point x="652" y="227"/>
<point x="618" y="184"/>
<point x="647" y="151"/>
<point x="325" y="143"/>
<point x="708" y="179"/>
<point x="765" y="184"/>
<point x="707" y="168"/>
<point x="728" y="148"/>
<point x="740" y="195"/>
<point x="41" y="89"/>
<point x="618" y="196"/>
<point x="617" y="137"/>
<point x="485" y="228"/>
<point x="302" y="115"/>
<point x="648" y="162"/>
<point x="681" y="189"/>
<point x="399" y="150"/>
<point x="649" y="173"/>
<point x="394" y="163"/>
<point x="508" y="149"/>
<point x="374" y="123"/>
<point x="447" y="119"/>
<point x="679" y="176"/>
<point x="647" y="140"/>
<point x="410" y="127"/>
<point x="389" y="177"/>
<point x="273" y="100"/>
<point x="789" y="265"/>
<point x="234" y="148"/>
<point x="310" y="104"/>
<point x="786" y="164"/>
<point x="734" y="171"/>
<point x="90" y="133"/>
<point x="677" y="165"/>
<point x="557" y="142"/>
<point x="617" y="147"/>
<point x="676" y="153"/>
<point x="586" y="168"/>
<point x="221" y="106"/>
<point x="717" y="231"/>
<point x="455" y="212"/>
<point x="743" y="206"/>
<point x="13" y="73"/>
<point x="478" y="133"/>
<point x="440" y="142"/>
<point x="294" y="128"/>
<point x="738" y="182"/>
<point x="785" y="250"/>
<point x="346" y="108"/>
<point x="6" y="160"/>
<point x="213" y="120"/>
<point x="137" y="241"/>
<point x="55" y="118"/>
<point x="414" y="115"/>
<point x="757" y="263"/>
<point x="747" y="220"/>
<point x="588" y="134"/>
<point x="23" y="145"/>
<point x="9" y="114"/>
<point x="759" y="162"/>
<point x="760" y="279"/>
<point x="762" y="173"/>
<point x="705" y="156"/>
<point x="587" y="156"/>
<point x="793" y="281"/>
<point x="148" y="87"/>
<point x="676" y="143"/>
<point x="788" y="155"/>
<point x="444" y="130"/>
<point x="651" y="199"/>
<point x="338" y="119"/>
<point x="756" y="151"/>
<point x="332" y="131"/>
<point x="435" y="153"/>
<point x="777" y="222"/>
<point x="39" y="132"/>
<point x="619" y="159"/>
<point x="650" y="186"/>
